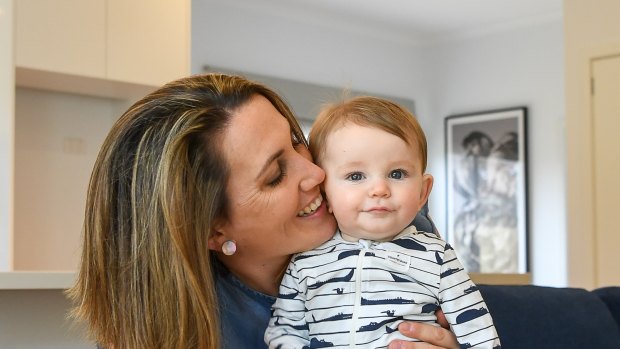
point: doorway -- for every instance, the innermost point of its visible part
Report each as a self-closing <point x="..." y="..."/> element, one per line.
<point x="605" y="74"/>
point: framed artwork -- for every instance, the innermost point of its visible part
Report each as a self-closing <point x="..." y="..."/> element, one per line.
<point x="486" y="172"/>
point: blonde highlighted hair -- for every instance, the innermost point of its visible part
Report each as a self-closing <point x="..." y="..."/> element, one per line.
<point x="146" y="275"/>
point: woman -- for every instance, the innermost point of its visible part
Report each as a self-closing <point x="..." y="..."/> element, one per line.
<point x="200" y="194"/>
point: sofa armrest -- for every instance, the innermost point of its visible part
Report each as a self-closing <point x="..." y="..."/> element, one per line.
<point x="611" y="296"/>
<point x="547" y="317"/>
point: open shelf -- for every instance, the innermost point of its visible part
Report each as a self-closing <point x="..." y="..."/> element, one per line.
<point x="81" y="85"/>
<point x="36" y="280"/>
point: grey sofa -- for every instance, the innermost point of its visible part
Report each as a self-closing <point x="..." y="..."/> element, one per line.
<point x="550" y="318"/>
<point x="532" y="317"/>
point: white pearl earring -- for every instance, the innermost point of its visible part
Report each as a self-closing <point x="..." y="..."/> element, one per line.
<point x="229" y="247"/>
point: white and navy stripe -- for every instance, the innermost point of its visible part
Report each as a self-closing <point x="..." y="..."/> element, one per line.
<point x="345" y="294"/>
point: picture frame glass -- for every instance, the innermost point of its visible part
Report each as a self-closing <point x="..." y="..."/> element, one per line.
<point x="486" y="171"/>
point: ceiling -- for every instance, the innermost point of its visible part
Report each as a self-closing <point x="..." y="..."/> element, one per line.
<point x="416" y="18"/>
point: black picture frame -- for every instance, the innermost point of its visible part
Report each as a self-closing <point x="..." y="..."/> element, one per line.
<point x="486" y="189"/>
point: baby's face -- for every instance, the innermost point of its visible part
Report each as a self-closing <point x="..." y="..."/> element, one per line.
<point x="374" y="182"/>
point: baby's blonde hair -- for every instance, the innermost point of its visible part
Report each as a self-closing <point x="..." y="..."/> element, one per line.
<point x="367" y="111"/>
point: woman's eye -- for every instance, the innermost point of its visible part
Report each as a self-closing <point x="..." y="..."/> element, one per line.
<point x="279" y="176"/>
<point x="398" y="174"/>
<point x="355" y="176"/>
<point x="277" y="180"/>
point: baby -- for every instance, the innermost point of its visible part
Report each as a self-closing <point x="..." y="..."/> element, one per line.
<point x="378" y="270"/>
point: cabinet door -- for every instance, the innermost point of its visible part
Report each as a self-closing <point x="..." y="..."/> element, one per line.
<point x="65" y="36"/>
<point x="148" y="40"/>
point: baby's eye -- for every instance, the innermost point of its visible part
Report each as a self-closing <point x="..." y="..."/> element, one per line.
<point x="398" y="174"/>
<point x="355" y="176"/>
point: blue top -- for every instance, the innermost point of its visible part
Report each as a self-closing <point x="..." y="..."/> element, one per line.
<point x="244" y="312"/>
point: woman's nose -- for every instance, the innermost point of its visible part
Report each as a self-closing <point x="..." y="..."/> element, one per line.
<point x="379" y="188"/>
<point x="312" y="175"/>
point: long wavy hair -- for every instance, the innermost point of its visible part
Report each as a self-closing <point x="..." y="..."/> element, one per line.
<point x="146" y="276"/>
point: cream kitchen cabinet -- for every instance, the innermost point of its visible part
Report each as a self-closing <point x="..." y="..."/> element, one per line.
<point x="72" y="67"/>
<point x="143" y="42"/>
<point x="64" y="36"/>
<point x="148" y="40"/>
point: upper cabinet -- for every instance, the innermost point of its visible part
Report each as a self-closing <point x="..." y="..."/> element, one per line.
<point x="63" y="36"/>
<point x="78" y="65"/>
<point x="142" y="42"/>
<point x="148" y="40"/>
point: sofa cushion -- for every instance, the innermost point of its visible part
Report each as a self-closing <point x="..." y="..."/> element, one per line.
<point x="611" y="296"/>
<point x="424" y="222"/>
<point x="547" y="317"/>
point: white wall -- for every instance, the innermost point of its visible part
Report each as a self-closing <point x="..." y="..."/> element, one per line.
<point x="57" y="139"/>
<point x="522" y="66"/>
<point x="239" y="36"/>
<point x="37" y="319"/>
<point x="518" y="66"/>
<point x="58" y="136"/>
<point x="7" y="97"/>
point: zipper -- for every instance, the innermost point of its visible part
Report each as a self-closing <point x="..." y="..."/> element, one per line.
<point x="358" y="295"/>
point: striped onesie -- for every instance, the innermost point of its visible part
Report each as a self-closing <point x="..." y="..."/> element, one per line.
<point x="354" y="294"/>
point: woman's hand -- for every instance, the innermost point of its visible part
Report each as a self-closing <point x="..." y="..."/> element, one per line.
<point x="431" y="336"/>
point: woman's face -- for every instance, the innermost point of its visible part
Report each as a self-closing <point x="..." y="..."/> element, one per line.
<point x="275" y="207"/>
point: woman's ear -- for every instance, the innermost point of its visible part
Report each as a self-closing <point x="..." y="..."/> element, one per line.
<point x="214" y="241"/>
<point x="217" y="237"/>
<point x="427" y="186"/>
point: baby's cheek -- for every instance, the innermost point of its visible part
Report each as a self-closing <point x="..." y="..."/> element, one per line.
<point x="345" y="221"/>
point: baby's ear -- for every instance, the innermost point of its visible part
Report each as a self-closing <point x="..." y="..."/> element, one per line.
<point x="427" y="186"/>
